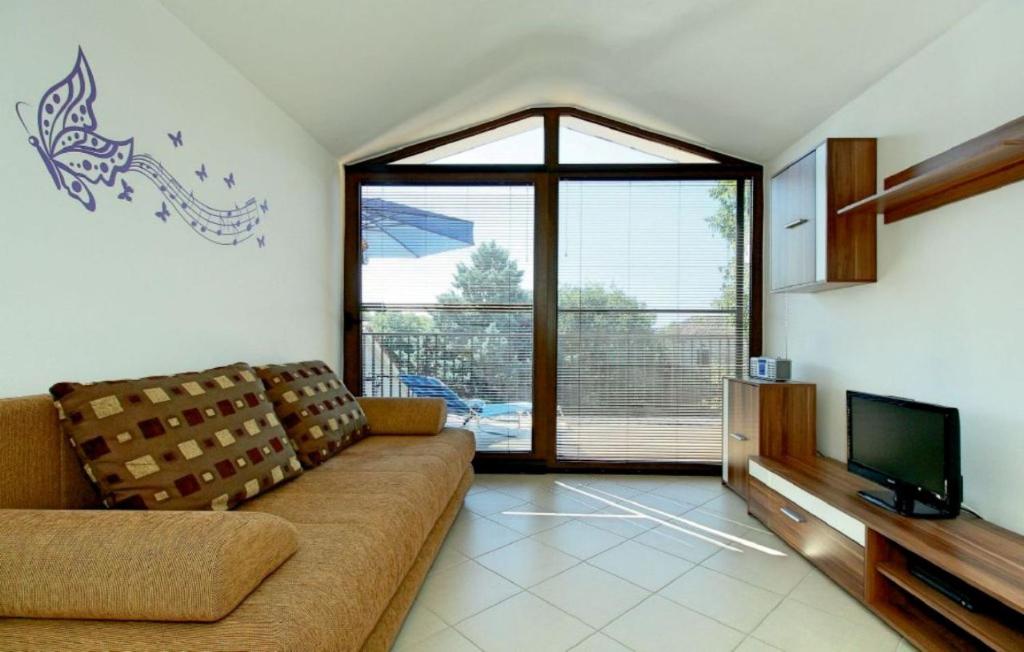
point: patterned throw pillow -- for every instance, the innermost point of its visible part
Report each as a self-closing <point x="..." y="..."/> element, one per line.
<point x="319" y="413"/>
<point x="198" y="440"/>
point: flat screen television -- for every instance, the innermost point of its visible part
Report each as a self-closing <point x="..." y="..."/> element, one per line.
<point x="912" y="448"/>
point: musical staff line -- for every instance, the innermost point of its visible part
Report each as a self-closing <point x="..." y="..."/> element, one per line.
<point x="231" y="226"/>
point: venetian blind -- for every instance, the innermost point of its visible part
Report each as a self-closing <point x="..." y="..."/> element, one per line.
<point x="447" y="303"/>
<point x="652" y="315"/>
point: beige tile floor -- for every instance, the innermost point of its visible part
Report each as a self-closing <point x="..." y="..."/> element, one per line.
<point x="570" y="572"/>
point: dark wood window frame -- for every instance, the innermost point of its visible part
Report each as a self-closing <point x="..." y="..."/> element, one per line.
<point x="380" y="170"/>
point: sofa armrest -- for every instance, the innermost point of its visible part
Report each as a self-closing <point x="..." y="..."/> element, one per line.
<point x="124" y="565"/>
<point x="404" y="416"/>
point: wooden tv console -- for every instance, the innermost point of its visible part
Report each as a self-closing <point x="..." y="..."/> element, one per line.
<point x="813" y="505"/>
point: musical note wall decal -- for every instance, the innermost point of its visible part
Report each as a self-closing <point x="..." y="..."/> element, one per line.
<point x="79" y="159"/>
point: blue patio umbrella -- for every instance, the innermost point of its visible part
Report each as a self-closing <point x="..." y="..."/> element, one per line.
<point x="393" y="230"/>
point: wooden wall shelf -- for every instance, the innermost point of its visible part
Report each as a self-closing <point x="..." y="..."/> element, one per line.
<point x="991" y="160"/>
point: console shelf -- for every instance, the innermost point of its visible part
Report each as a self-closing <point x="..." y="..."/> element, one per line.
<point x="821" y="496"/>
<point x="991" y="160"/>
<point x="992" y="631"/>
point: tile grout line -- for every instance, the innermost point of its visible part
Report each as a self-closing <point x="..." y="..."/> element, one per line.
<point x="721" y="622"/>
<point x="579" y="561"/>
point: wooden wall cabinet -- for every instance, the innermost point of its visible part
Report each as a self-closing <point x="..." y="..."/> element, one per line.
<point x="774" y="420"/>
<point x="812" y="247"/>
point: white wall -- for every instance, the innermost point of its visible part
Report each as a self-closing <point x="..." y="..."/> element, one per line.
<point x="116" y="292"/>
<point x="943" y="322"/>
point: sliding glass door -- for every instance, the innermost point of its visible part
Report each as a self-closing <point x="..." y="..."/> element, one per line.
<point x="447" y="303"/>
<point x="651" y="318"/>
<point x="575" y="288"/>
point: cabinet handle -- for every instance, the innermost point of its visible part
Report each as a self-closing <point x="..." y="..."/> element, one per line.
<point x="737" y="436"/>
<point x="791" y="515"/>
<point x="798" y="222"/>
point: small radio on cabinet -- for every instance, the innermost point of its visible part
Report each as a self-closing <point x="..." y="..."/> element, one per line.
<point x="777" y="369"/>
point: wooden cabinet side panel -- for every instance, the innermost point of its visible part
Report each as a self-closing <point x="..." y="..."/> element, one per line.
<point x="851" y="238"/>
<point x="788" y="421"/>
<point x="743" y="422"/>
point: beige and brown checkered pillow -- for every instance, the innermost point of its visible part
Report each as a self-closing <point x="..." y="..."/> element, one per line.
<point x="202" y="440"/>
<point x="319" y="413"/>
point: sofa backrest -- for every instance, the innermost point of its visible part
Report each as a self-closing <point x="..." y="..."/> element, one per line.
<point x="38" y="468"/>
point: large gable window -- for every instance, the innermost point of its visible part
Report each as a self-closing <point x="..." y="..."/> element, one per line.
<point x="574" y="288"/>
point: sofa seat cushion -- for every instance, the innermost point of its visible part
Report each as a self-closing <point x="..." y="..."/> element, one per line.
<point x="165" y="566"/>
<point x="395" y="477"/>
<point x="355" y="549"/>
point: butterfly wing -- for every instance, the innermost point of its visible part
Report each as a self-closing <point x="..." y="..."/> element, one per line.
<point x="75" y="186"/>
<point x="95" y="157"/>
<point x="67" y="127"/>
<point x="67" y="104"/>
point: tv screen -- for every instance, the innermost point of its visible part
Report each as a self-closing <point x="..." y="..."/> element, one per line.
<point x="899" y="441"/>
<point x="902" y="443"/>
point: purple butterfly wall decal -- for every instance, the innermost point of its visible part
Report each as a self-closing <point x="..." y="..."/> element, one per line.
<point x="66" y="139"/>
<point x="126" y="191"/>
<point x="79" y="159"/>
<point x="163" y="213"/>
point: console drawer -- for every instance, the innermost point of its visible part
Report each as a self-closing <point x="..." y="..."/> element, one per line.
<point x="833" y="553"/>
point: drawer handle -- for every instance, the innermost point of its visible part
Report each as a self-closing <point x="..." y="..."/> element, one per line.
<point x="791" y="515"/>
<point x="798" y="222"/>
<point x="737" y="436"/>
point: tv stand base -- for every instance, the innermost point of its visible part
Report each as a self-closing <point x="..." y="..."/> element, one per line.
<point x="911" y="508"/>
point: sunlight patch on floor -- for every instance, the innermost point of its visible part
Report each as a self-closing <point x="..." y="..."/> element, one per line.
<point x="631" y="510"/>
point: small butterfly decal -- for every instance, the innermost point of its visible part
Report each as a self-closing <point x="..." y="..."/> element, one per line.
<point x="66" y="139"/>
<point x="201" y="172"/>
<point x="264" y="206"/>
<point x="176" y="139"/>
<point x="126" y="191"/>
<point x="163" y="213"/>
<point x="261" y="240"/>
<point x="230" y="180"/>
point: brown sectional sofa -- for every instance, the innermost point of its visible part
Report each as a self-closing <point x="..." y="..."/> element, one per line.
<point x="369" y="522"/>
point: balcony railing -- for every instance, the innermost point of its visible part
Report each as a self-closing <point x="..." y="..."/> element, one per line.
<point x="661" y="373"/>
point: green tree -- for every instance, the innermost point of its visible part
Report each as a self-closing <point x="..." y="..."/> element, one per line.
<point x="398" y="339"/>
<point x="594" y="296"/>
<point x="723" y="220"/>
<point x="602" y="337"/>
<point x="487" y="353"/>
<point x="399" y="322"/>
<point x="491" y="277"/>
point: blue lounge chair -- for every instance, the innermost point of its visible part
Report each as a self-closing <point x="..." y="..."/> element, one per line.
<point x="428" y="386"/>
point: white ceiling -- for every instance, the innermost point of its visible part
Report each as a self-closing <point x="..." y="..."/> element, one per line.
<point x="745" y="77"/>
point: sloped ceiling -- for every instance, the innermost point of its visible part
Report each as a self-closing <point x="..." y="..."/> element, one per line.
<point x="745" y="77"/>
